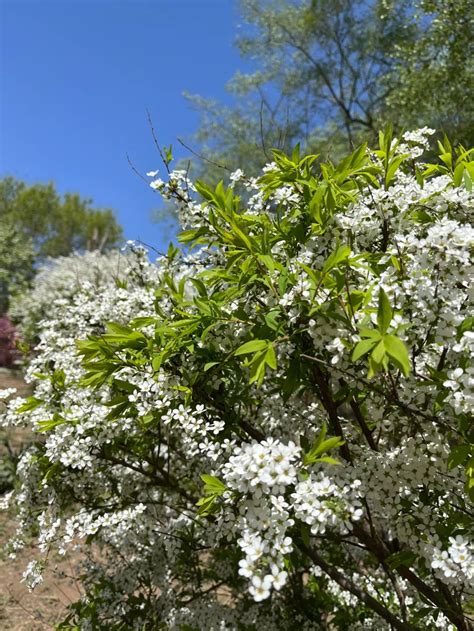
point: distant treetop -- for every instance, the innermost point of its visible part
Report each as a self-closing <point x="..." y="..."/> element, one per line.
<point x="36" y="223"/>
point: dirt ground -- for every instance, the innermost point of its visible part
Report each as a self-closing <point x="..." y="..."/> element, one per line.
<point x="21" y="610"/>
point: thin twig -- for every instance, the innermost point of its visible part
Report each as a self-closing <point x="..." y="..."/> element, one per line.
<point x="201" y="157"/>
<point x="135" y="170"/>
<point x="155" y="140"/>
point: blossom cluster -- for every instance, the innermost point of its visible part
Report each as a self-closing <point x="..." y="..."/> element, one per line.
<point x="270" y="430"/>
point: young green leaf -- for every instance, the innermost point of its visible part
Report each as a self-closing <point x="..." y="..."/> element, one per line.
<point x="321" y="446"/>
<point x="378" y="352"/>
<point x="252" y="347"/>
<point x="341" y="254"/>
<point x="398" y="352"/>
<point x="270" y="357"/>
<point x="30" y="404"/>
<point x="384" y="313"/>
<point x="212" y="484"/>
<point x="362" y="347"/>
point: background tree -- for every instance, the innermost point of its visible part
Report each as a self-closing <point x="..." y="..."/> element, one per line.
<point x="327" y="74"/>
<point x="57" y="225"/>
<point x="36" y="223"/>
<point x="16" y="262"/>
<point x="433" y="81"/>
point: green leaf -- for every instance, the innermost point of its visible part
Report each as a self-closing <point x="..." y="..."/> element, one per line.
<point x="206" y="505"/>
<point x="362" y="347"/>
<point x="405" y="558"/>
<point x="370" y="333"/>
<point x="271" y="319"/>
<point x="394" y="166"/>
<point x="467" y="181"/>
<point x="384" y="313"/>
<point x="118" y="329"/>
<point x="210" y="365"/>
<point x="257" y="368"/>
<point x="212" y="484"/>
<point x="252" y="347"/>
<point x="341" y="254"/>
<point x="270" y="357"/>
<point x="329" y="460"/>
<point x="321" y="446"/>
<point x="458" y="173"/>
<point x="204" y="190"/>
<point x="378" y="352"/>
<point x="267" y="260"/>
<point x="145" y="321"/>
<point x="157" y="361"/>
<point x="46" y="426"/>
<point x="168" y="154"/>
<point x="30" y="404"/>
<point x="187" y="235"/>
<point x="466" y="325"/>
<point x="200" y="286"/>
<point x="398" y="352"/>
<point x="52" y="471"/>
<point x="458" y="455"/>
<point x="373" y="367"/>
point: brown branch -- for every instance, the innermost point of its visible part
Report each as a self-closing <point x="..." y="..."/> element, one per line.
<point x="155" y="140"/>
<point x="330" y="406"/>
<point x="351" y="587"/>
<point x="135" y="170"/>
<point x="362" y="424"/>
<point x="201" y="157"/>
<point x="252" y="431"/>
<point x="444" y="601"/>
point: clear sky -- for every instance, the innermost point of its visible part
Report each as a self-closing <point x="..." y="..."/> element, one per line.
<point x="77" y="77"/>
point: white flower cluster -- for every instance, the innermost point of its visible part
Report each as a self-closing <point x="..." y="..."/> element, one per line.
<point x="416" y="143"/>
<point x="60" y="280"/>
<point x="456" y="564"/>
<point x="261" y="468"/>
<point x="263" y="471"/>
<point x="7" y="392"/>
<point x="33" y="575"/>
<point x="322" y="503"/>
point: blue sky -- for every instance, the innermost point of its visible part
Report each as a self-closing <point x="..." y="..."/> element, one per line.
<point x="77" y="77"/>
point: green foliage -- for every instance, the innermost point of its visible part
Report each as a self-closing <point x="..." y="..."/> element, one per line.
<point x="457" y="163"/>
<point x="37" y="223"/>
<point x="16" y="262"/>
<point x="329" y="74"/>
<point x="213" y="488"/>
<point x="322" y="445"/>
<point x="382" y="347"/>
<point x="433" y="73"/>
<point x="56" y="225"/>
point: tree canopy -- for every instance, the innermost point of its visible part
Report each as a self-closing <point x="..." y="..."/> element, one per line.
<point x="328" y="74"/>
<point x="37" y="223"/>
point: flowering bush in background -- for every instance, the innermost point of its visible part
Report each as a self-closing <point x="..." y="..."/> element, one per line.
<point x="59" y="283"/>
<point x="269" y="429"/>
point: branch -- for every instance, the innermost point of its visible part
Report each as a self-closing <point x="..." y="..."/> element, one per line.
<point x="201" y="157"/>
<point x="351" y="587"/>
<point x="444" y="601"/>
<point x="155" y="140"/>
<point x="330" y="406"/>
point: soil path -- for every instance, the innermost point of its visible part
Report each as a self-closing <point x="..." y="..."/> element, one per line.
<point x="21" y="610"/>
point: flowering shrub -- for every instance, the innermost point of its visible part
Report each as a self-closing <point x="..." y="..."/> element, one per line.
<point x="61" y="282"/>
<point x="273" y="429"/>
